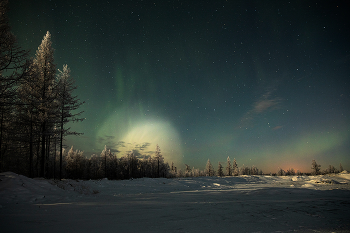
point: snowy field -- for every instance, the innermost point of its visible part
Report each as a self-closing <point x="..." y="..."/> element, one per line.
<point x="202" y="204"/>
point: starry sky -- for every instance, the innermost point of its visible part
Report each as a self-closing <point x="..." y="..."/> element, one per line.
<point x="265" y="82"/>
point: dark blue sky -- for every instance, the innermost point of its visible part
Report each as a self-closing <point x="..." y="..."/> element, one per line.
<point x="267" y="84"/>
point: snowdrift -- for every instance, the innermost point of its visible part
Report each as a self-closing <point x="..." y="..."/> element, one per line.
<point x="200" y="204"/>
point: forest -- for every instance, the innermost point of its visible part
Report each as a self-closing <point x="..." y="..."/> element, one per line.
<point x="37" y="103"/>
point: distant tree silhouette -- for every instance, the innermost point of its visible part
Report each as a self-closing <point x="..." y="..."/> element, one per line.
<point x="235" y="170"/>
<point x="74" y="163"/>
<point x="290" y="172"/>
<point x="187" y="170"/>
<point x="280" y="172"/>
<point x="315" y="168"/>
<point x="209" y="169"/>
<point x="228" y="167"/>
<point x="331" y="169"/>
<point x="220" y="171"/>
<point x="159" y="159"/>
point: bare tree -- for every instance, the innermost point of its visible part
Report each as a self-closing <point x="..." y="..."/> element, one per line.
<point x="290" y="172"/>
<point x="13" y="63"/>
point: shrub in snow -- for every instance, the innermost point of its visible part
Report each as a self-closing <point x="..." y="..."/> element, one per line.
<point x="315" y="168"/>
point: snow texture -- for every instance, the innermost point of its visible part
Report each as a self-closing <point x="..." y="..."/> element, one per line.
<point x="201" y="204"/>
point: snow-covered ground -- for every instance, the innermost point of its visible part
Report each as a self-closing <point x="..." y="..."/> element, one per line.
<point x="201" y="204"/>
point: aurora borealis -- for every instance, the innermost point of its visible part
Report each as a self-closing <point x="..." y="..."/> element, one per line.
<point x="265" y="83"/>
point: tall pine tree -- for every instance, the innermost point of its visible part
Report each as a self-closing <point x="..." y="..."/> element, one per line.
<point x="67" y="104"/>
<point x="43" y="70"/>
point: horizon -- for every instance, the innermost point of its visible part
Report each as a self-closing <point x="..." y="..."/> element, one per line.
<point x="215" y="163"/>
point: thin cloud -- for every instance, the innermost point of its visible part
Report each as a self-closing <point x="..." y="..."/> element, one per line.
<point x="263" y="104"/>
<point x="143" y="146"/>
<point x="277" y="127"/>
<point x="115" y="150"/>
<point x="111" y="143"/>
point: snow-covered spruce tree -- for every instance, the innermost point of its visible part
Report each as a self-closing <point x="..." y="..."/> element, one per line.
<point x="67" y="104"/>
<point x="187" y="171"/>
<point x="179" y="173"/>
<point x="254" y="170"/>
<point x="220" y="171"/>
<point x="38" y="86"/>
<point x="209" y="169"/>
<point x="340" y="168"/>
<point x="235" y="170"/>
<point x="228" y="167"/>
<point x="195" y="172"/>
<point x="315" y="168"/>
<point x="244" y="170"/>
<point x="74" y="163"/>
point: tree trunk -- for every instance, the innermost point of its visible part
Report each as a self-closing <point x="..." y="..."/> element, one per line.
<point x="42" y="164"/>
<point x="158" y="167"/>
<point x="54" y="160"/>
<point x="61" y="144"/>
<point x="1" y="155"/>
<point x="47" y="159"/>
<point x="31" y="148"/>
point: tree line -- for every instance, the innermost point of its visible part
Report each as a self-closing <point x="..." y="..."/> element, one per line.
<point x="315" y="170"/>
<point x="36" y="103"/>
<point x="108" y="165"/>
<point x="232" y="169"/>
<point x="136" y="165"/>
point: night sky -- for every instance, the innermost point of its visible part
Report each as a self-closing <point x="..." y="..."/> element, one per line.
<point x="265" y="82"/>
